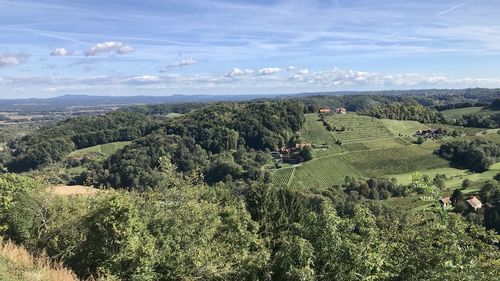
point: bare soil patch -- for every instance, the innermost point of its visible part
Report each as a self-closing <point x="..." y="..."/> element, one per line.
<point x="74" y="190"/>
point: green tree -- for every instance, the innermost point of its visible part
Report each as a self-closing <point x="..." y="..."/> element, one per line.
<point x="294" y="260"/>
<point x="117" y="240"/>
<point x="10" y="186"/>
<point x="419" y="183"/>
<point x="306" y="153"/>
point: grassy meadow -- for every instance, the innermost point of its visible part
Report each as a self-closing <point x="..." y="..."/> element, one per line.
<point x="459" y="112"/>
<point x="104" y="149"/>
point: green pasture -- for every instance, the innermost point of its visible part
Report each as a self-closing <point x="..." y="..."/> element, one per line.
<point x="459" y="112"/>
<point x="455" y="176"/>
<point x="104" y="149"/>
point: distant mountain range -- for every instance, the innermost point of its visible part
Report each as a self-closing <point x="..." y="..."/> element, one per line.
<point x="81" y="102"/>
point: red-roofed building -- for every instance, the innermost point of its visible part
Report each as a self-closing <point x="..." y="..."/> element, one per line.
<point x="445" y="201"/>
<point x="475" y="203"/>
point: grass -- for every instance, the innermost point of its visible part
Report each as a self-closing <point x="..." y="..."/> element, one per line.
<point x="487" y="135"/>
<point x="455" y="176"/>
<point x="313" y="132"/>
<point x="396" y="160"/>
<point x="282" y="176"/>
<point x="173" y="115"/>
<point x="376" y="144"/>
<point x="459" y="112"/>
<point x="358" y="128"/>
<point x="404" y="128"/>
<point x="104" y="149"/>
<point x="408" y="203"/>
<point x="324" y="172"/>
<point x="16" y="264"/>
<point x="374" y="148"/>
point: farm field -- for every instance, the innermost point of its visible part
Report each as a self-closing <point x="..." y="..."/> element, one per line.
<point x="376" y="147"/>
<point x="488" y="135"/>
<point x="410" y="203"/>
<point x="464" y="130"/>
<point x="376" y="144"/>
<point x="394" y="160"/>
<point x="404" y="128"/>
<point x="282" y="176"/>
<point x="313" y="132"/>
<point x="105" y="149"/>
<point x="358" y="128"/>
<point x="459" y="112"/>
<point x="323" y="172"/>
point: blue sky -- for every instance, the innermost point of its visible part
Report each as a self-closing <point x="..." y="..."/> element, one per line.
<point x="58" y="47"/>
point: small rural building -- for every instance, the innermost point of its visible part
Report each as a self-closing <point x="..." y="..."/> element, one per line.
<point x="325" y="110"/>
<point x="293" y="159"/>
<point x="276" y="155"/>
<point x="445" y="202"/>
<point x="302" y="145"/>
<point x="475" y="203"/>
<point x="428" y="133"/>
<point x="285" y="150"/>
<point x="341" y="110"/>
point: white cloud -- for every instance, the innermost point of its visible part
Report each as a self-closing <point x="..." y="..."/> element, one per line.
<point x="12" y="59"/>
<point x="247" y="81"/>
<point x="144" y="79"/>
<point x="109" y="47"/>
<point x="181" y="63"/>
<point x="61" y="52"/>
<point x="341" y="77"/>
<point x="238" y="72"/>
<point x="303" y="71"/>
<point x="269" y="70"/>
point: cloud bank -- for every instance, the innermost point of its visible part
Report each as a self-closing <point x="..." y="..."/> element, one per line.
<point x="240" y="79"/>
<point x="109" y="47"/>
<point x="12" y="59"/>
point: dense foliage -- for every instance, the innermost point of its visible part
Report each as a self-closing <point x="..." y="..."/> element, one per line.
<point x="404" y="111"/>
<point x="164" y="109"/>
<point x="246" y="232"/>
<point x="476" y="155"/>
<point x="480" y="120"/>
<point x="52" y="144"/>
<point x="223" y="141"/>
<point x="375" y="189"/>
